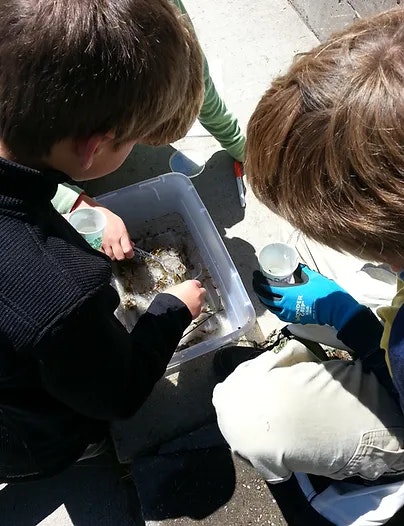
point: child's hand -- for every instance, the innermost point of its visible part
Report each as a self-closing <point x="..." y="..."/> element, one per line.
<point x="116" y="242"/>
<point x="191" y="293"/>
<point x="313" y="299"/>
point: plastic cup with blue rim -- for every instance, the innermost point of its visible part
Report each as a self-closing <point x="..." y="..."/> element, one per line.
<point x="90" y="223"/>
<point x="188" y="162"/>
<point x="278" y="261"/>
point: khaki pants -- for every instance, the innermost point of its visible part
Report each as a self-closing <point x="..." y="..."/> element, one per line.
<point x="288" y="412"/>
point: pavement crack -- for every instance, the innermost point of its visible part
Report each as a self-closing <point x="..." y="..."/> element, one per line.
<point x="357" y="15"/>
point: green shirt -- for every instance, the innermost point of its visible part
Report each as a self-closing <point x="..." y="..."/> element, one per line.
<point x="214" y="116"/>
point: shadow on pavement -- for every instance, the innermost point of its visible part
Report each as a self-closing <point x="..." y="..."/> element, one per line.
<point x="190" y="484"/>
<point x="196" y="480"/>
<point x="84" y="495"/>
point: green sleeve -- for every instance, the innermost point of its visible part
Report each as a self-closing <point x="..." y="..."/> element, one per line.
<point x="214" y="115"/>
<point x="65" y="197"/>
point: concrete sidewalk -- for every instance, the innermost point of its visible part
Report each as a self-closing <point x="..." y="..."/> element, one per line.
<point x="247" y="44"/>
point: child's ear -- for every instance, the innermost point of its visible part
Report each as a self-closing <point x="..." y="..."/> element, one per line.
<point x="87" y="149"/>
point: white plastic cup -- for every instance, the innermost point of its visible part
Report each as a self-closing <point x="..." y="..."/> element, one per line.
<point x="278" y="261"/>
<point x="90" y="223"/>
<point x="188" y="162"/>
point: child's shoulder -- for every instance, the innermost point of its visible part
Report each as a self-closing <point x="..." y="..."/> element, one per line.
<point x="44" y="276"/>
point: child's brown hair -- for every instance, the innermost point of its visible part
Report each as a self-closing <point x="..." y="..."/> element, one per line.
<point x="71" y="69"/>
<point x="325" y="145"/>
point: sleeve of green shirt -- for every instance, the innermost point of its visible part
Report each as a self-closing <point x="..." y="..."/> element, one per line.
<point x="65" y="197"/>
<point x="215" y="116"/>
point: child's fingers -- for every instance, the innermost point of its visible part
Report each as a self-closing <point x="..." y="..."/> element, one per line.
<point x="127" y="246"/>
<point x="107" y="249"/>
<point x="118" y="252"/>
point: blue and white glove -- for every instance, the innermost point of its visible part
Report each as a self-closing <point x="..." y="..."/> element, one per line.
<point x="312" y="299"/>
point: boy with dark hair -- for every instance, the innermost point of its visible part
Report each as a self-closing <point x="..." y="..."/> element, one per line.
<point x="80" y="84"/>
<point x="213" y="115"/>
<point x="325" y="151"/>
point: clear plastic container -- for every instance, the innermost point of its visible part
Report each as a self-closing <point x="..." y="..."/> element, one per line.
<point x="188" y="162"/>
<point x="174" y="193"/>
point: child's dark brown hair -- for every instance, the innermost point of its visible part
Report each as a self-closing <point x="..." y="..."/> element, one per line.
<point x="71" y="69"/>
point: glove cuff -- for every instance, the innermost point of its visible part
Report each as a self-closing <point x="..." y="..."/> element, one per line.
<point x="362" y="332"/>
<point x="347" y="309"/>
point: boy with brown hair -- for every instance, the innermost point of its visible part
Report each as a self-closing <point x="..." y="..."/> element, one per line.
<point x="214" y="116"/>
<point x="80" y="84"/>
<point x="325" y="150"/>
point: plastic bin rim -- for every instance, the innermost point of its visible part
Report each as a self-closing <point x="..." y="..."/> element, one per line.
<point x="166" y="177"/>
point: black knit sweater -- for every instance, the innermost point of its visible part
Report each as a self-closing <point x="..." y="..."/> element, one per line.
<point x="67" y="366"/>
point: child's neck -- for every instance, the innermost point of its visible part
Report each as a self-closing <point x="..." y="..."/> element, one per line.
<point x="5" y="153"/>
